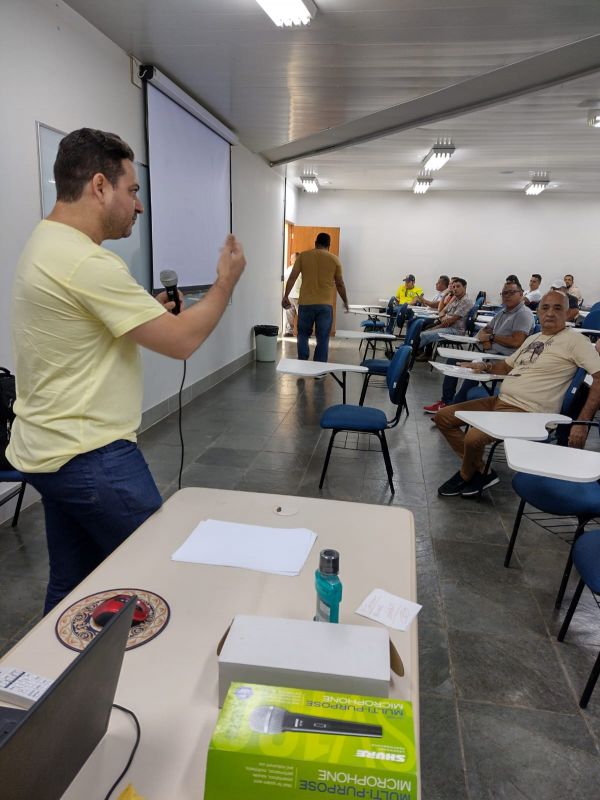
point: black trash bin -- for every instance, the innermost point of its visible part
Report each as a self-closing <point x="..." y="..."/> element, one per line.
<point x="266" y="342"/>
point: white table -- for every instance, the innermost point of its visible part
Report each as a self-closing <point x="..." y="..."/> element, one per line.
<point x="386" y="337"/>
<point x="570" y="464"/>
<point x="587" y="330"/>
<point x="310" y="369"/>
<point x="171" y="682"/>
<point x="469" y="355"/>
<point x="512" y="424"/>
<point x="371" y="314"/>
<point x="460" y="339"/>
<point x="365" y="309"/>
<point x="464" y="373"/>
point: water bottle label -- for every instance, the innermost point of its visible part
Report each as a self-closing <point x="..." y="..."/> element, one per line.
<point x="323" y="610"/>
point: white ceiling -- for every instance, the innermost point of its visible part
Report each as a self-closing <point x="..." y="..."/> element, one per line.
<point x="359" y="57"/>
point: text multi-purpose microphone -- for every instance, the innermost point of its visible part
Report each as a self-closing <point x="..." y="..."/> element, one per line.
<point x="271" y="719"/>
<point x="168" y="278"/>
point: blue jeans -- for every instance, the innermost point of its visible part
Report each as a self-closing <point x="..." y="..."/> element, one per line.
<point x="92" y="504"/>
<point x="449" y="388"/>
<point x="321" y="316"/>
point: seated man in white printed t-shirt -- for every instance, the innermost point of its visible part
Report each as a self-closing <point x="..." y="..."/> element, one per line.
<point x="544" y="367"/>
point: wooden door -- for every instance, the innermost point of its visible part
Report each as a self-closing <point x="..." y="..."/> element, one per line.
<point x="302" y="237"/>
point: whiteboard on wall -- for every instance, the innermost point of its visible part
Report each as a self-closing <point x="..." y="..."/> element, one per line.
<point x="135" y="250"/>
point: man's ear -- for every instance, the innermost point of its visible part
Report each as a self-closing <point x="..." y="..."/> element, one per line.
<point x="99" y="185"/>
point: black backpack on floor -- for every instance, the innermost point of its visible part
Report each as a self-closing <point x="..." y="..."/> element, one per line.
<point x="8" y="395"/>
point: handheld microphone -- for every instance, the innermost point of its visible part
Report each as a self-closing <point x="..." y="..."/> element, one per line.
<point x="272" y="719"/>
<point x="168" y="278"/>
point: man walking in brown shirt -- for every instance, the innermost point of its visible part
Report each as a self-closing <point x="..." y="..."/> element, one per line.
<point x="321" y="271"/>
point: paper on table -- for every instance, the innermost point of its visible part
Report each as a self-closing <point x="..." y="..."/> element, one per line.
<point x="282" y="551"/>
<point x="389" y="609"/>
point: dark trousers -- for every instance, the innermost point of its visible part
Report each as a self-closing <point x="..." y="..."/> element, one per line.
<point x="321" y="316"/>
<point x="92" y="504"/>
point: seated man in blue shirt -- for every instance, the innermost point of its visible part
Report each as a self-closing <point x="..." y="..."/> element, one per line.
<point x="507" y="330"/>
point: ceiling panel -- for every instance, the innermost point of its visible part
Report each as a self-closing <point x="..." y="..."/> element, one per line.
<point x="362" y="56"/>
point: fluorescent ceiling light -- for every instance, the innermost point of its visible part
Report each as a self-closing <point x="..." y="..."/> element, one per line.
<point x="439" y="155"/>
<point x="594" y="119"/>
<point x="422" y="184"/>
<point x="536" y="186"/>
<point x="310" y="183"/>
<point x="286" y="13"/>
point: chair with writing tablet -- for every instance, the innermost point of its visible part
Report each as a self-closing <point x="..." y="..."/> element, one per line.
<point x="373" y="421"/>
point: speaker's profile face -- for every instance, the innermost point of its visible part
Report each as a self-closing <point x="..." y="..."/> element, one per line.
<point x="123" y="204"/>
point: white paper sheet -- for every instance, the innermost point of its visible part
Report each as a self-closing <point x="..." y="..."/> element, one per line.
<point x="389" y="609"/>
<point x="282" y="551"/>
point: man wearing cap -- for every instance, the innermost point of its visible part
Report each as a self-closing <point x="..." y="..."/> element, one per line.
<point x="408" y="292"/>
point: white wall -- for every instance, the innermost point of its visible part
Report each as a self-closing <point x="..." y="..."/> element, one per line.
<point x="480" y="236"/>
<point x="60" y="70"/>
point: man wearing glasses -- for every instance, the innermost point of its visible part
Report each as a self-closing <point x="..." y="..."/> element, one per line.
<point x="507" y="330"/>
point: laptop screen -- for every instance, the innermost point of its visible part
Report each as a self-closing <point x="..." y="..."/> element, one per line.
<point x="53" y="739"/>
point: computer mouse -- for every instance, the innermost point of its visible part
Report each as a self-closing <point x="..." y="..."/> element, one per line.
<point x="108" y="608"/>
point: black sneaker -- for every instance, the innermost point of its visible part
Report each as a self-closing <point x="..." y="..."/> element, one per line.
<point x="453" y="486"/>
<point x="479" y="483"/>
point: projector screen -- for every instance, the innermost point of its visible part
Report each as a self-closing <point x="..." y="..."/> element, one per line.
<point x="190" y="192"/>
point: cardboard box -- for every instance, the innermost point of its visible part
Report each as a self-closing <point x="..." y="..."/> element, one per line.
<point x="274" y="743"/>
<point x="353" y="659"/>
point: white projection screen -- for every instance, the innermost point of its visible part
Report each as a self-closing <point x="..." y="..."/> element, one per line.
<point x="190" y="192"/>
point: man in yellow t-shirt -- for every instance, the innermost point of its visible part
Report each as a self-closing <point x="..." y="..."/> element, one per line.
<point x="408" y="292"/>
<point x="321" y="273"/>
<point x="78" y="318"/>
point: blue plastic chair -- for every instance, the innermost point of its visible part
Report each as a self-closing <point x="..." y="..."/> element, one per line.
<point x="364" y="419"/>
<point x="373" y="325"/>
<point x="586" y="558"/>
<point x="13" y="476"/>
<point x="380" y="366"/>
<point x="592" y="321"/>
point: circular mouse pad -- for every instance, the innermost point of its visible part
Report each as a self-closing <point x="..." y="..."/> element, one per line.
<point x="75" y="627"/>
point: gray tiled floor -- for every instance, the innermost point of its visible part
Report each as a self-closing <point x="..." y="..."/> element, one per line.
<point x="499" y="696"/>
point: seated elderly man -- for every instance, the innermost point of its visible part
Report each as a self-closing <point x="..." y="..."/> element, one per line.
<point x="508" y="329"/>
<point x="451" y="318"/>
<point x="542" y="369"/>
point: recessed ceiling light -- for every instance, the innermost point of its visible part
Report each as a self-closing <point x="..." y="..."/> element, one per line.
<point x="422" y="184"/>
<point x="310" y="183"/>
<point x="287" y="13"/>
<point x="594" y="119"/>
<point x="537" y="184"/>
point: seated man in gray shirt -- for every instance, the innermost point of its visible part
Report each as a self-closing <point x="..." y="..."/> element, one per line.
<point x="451" y="318"/>
<point x="507" y="330"/>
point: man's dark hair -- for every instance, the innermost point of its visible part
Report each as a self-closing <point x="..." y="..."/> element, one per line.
<point x="445" y="280"/>
<point x="515" y="283"/>
<point x="82" y="154"/>
<point x="460" y="280"/>
<point x="537" y="276"/>
<point x="323" y="240"/>
<point x="512" y="279"/>
<point x="568" y="275"/>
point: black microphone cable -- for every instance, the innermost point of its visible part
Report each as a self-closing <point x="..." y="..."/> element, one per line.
<point x="180" y="425"/>
<point x="138" y="736"/>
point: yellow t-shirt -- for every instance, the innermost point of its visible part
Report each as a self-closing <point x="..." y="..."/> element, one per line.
<point x="405" y="295"/>
<point x="545" y="366"/>
<point x="318" y="268"/>
<point x="79" y="380"/>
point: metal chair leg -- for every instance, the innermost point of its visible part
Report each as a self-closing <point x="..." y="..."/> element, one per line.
<point x="515" y="531"/>
<point x="565" y="578"/>
<point x="365" y="386"/>
<point x="569" y="616"/>
<point x="18" y="506"/>
<point x="589" y="687"/>
<point x="386" y="458"/>
<point x="326" y="464"/>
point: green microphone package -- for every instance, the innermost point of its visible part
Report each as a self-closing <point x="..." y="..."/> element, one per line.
<point x="274" y="742"/>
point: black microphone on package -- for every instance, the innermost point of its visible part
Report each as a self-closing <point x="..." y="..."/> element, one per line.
<point x="271" y="719"/>
<point x="168" y="278"/>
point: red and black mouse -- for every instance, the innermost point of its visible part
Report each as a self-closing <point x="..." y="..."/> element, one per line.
<point x="108" y="608"/>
